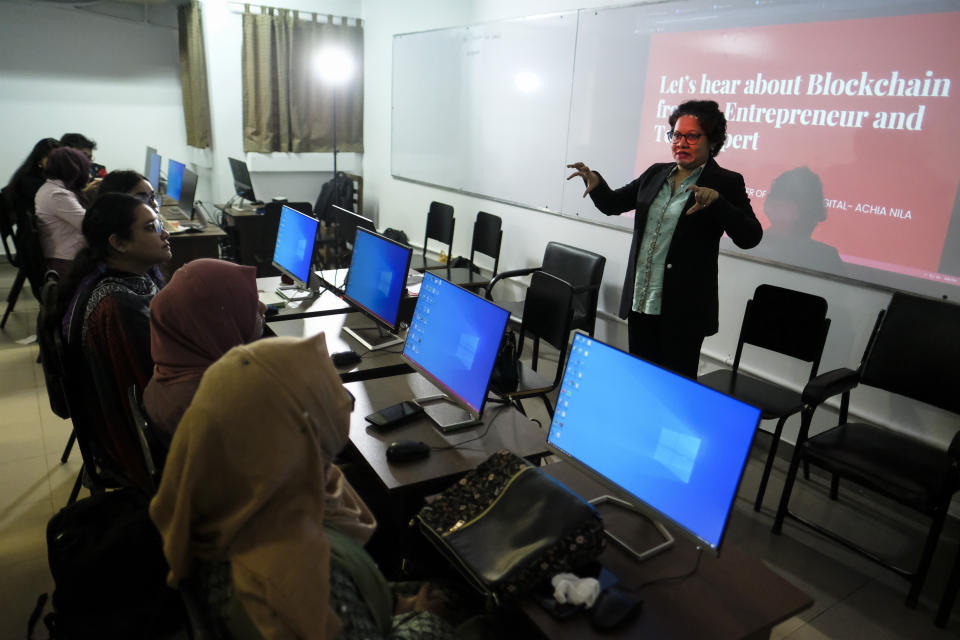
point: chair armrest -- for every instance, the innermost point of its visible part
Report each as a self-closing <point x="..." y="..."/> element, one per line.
<point x="514" y="273"/>
<point x="829" y="384"/>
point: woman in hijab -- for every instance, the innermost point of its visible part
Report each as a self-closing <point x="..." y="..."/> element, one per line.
<point x="208" y="307"/>
<point x="249" y="480"/>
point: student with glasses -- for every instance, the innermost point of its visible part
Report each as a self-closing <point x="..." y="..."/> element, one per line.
<point x="105" y="311"/>
<point x="669" y="297"/>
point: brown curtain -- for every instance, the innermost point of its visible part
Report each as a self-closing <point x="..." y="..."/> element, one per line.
<point x="193" y="76"/>
<point x="286" y="105"/>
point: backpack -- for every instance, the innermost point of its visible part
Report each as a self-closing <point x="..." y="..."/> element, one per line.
<point x="336" y="191"/>
<point x="107" y="562"/>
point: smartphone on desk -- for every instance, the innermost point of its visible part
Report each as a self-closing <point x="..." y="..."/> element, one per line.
<point x="394" y="415"/>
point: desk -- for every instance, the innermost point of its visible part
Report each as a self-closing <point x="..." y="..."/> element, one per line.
<point x="374" y="364"/>
<point x="325" y="304"/>
<point x="190" y="245"/>
<point x="509" y="429"/>
<point x="733" y="596"/>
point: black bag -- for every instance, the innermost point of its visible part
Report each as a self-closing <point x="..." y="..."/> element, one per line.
<point x="107" y="562"/>
<point x="507" y="527"/>
<point x="506" y="368"/>
<point x="396" y="235"/>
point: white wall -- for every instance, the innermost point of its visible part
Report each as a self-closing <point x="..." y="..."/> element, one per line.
<point x="114" y="80"/>
<point x="403" y="205"/>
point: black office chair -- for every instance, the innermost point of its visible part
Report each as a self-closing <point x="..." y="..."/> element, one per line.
<point x="789" y="322"/>
<point x="153" y="445"/>
<point x="9" y="237"/>
<point x="547" y="315"/>
<point x="440" y="223"/>
<point x="913" y="351"/>
<point x="48" y="332"/>
<point x="487" y="237"/>
<point x="582" y="269"/>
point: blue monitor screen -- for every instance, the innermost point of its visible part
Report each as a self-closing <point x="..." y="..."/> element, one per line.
<point x="174" y="179"/>
<point x="673" y="444"/>
<point x="153" y="172"/>
<point x="295" y="239"/>
<point x="453" y="339"/>
<point x="378" y="276"/>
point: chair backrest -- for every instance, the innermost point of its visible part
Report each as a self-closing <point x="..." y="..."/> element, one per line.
<point x="790" y="322"/>
<point x="29" y="251"/>
<point x="439" y="225"/>
<point x="7" y="220"/>
<point x="548" y="311"/>
<point x="487" y="237"/>
<point x="915" y="350"/>
<point x="48" y="328"/>
<point x="584" y="271"/>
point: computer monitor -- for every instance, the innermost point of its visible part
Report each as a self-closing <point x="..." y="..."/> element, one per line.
<point x="153" y="171"/>
<point x="188" y="192"/>
<point x="453" y="341"/>
<point x="296" y="237"/>
<point x="174" y="178"/>
<point x="241" y="179"/>
<point x="375" y="283"/>
<point x="348" y="222"/>
<point x="146" y="164"/>
<point x="675" y="448"/>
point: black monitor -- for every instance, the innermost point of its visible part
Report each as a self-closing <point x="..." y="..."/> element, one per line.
<point x="174" y="178"/>
<point x="188" y="192"/>
<point x="453" y="341"/>
<point x="241" y="179"/>
<point x="146" y="164"/>
<point x="348" y="222"/>
<point x="296" y="237"/>
<point x="673" y="447"/>
<point x="375" y="283"/>
<point x="153" y="171"/>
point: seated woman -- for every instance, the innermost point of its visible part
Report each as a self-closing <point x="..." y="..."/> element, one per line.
<point x="249" y="480"/>
<point x="130" y="182"/>
<point x="106" y="316"/>
<point x="28" y="178"/>
<point x="60" y="204"/>
<point x="208" y="307"/>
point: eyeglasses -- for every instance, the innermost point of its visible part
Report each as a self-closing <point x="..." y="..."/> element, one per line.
<point x="158" y="224"/>
<point x="691" y="138"/>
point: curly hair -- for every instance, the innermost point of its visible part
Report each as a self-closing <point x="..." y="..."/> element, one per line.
<point x="711" y="119"/>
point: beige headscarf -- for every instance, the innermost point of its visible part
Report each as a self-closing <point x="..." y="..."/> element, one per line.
<point x="249" y="478"/>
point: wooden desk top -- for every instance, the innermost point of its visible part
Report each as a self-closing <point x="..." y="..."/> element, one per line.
<point x="731" y="596"/>
<point x="509" y="429"/>
<point x="327" y="303"/>
<point x="373" y="364"/>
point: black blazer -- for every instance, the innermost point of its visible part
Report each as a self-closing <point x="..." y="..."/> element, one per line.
<point x="690" y="298"/>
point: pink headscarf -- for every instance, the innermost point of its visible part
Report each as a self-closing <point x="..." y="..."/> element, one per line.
<point x="209" y="307"/>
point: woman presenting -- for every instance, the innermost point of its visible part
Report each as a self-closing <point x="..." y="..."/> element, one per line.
<point x="682" y="208"/>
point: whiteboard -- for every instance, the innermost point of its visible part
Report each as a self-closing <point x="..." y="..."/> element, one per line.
<point x="484" y="109"/>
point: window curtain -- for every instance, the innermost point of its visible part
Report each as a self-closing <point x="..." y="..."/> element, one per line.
<point x="286" y="105"/>
<point x="193" y="76"/>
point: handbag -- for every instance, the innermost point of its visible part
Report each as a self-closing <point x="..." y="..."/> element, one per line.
<point x="507" y="527"/>
<point x="506" y="368"/>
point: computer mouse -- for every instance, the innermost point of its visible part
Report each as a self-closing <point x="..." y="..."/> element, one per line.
<point x="272" y="310"/>
<point x="407" y="450"/>
<point x="345" y="358"/>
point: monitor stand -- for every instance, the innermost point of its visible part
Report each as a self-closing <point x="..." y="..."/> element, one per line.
<point x="374" y="338"/>
<point x="637" y="555"/>
<point x="294" y="293"/>
<point x="446" y="415"/>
